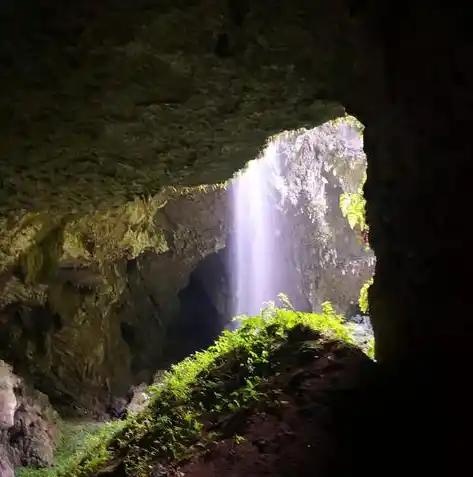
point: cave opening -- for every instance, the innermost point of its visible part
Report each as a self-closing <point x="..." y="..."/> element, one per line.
<point x="297" y="228"/>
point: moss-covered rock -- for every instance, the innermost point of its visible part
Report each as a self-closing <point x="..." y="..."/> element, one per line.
<point x="279" y="368"/>
<point x="97" y="320"/>
<point x="102" y="115"/>
<point x="123" y="111"/>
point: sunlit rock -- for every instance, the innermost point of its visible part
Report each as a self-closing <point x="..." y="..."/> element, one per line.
<point x="289" y="233"/>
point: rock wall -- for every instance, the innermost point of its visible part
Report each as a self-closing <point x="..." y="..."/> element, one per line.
<point x="329" y="258"/>
<point x="316" y="256"/>
<point x="28" y="425"/>
<point x="99" y="327"/>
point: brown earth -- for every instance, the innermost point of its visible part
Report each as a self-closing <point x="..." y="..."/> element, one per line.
<point x="302" y="428"/>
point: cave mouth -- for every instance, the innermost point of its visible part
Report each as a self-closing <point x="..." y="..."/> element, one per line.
<point x="206" y="305"/>
<point x="297" y="227"/>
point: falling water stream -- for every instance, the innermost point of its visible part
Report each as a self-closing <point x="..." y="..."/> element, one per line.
<point x="256" y="255"/>
<point x="288" y="231"/>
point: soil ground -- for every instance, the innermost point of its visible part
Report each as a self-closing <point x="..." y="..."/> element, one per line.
<point x="306" y="427"/>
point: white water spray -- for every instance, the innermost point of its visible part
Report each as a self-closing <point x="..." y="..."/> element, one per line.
<point x="255" y="258"/>
<point x="288" y="233"/>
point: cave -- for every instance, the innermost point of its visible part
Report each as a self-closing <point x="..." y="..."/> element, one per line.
<point x="104" y="102"/>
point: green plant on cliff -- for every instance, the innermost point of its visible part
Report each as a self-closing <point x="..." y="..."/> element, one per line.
<point x="363" y="301"/>
<point x="230" y="376"/>
<point x="353" y="207"/>
<point x="40" y="260"/>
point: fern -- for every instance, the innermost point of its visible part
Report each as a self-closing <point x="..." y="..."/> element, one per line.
<point x="363" y="299"/>
<point x="353" y="207"/>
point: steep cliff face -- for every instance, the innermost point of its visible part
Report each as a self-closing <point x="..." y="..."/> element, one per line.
<point x="287" y="233"/>
<point x="324" y="256"/>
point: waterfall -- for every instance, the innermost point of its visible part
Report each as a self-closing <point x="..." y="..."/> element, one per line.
<point x="255" y="228"/>
<point x="288" y="234"/>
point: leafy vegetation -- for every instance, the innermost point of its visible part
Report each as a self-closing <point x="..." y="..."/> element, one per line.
<point x="76" y="439"/>
<point x="353" y="207"/>
<point x="363" y="302"/>
<point x="227" y="377"/>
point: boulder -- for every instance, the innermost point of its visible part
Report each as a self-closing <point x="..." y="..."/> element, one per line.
<point x="28" y="424"/>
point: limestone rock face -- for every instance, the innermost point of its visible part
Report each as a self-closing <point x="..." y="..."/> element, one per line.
<point x="6" y="469"/>
<point x="8" y="405"/>
<point x="8" y="400"/>
<point x="28" y="430"/>
<point x="316" y="256"/>
<point x="99" y="326"/>
<point x="331" y="261"/>
<point x="33" y="436"/>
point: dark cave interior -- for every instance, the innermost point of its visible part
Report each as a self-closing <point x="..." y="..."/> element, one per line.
<point x="200" y="319"/>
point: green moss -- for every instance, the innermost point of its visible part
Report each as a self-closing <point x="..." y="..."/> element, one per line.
<point x="76" y="438"/>
<point x="120" y="232"/>
<point x="227" y="377"/>
<point x="42" y="258"/>
<point x="40" y="241"/>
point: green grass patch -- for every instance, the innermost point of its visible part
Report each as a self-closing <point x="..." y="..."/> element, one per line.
<point x="77" y="439"/>
<point x="226" y="378"/>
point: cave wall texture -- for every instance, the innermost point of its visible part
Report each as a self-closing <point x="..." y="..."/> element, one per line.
<point x="102" y="101"/>
<point x="102" y="325"/>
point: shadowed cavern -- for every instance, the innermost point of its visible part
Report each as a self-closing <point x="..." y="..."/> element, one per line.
<point x="104" y="101"/>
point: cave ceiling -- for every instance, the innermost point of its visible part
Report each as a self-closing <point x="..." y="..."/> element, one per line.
<point x="105" y="101"/>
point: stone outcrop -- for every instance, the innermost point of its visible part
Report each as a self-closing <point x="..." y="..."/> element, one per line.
<point x="28" y="425"/>
<point x="323" y="255"/>
<point x="100" y="326"/>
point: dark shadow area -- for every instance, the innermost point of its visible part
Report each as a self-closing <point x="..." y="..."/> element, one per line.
<point x="201" y="319"/>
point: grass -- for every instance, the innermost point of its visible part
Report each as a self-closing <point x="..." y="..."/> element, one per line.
<point x="227" y="377"/>
<point x="76" y="439"/>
